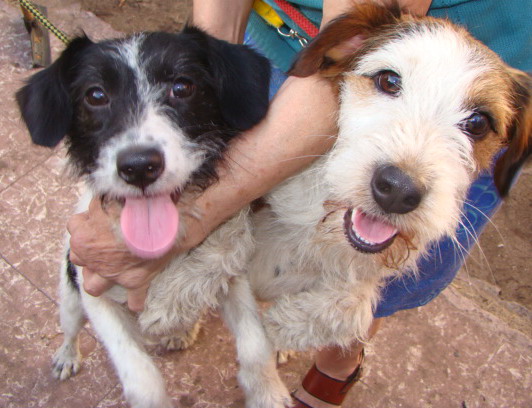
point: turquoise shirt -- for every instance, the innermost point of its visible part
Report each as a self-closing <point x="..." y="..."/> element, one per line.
<point x="504" y="26"/>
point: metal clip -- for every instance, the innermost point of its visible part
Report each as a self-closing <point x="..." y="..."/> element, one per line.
<point x="294" y="35"/>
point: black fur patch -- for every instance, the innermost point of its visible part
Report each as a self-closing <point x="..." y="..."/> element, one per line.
<point x="72" y="273"/>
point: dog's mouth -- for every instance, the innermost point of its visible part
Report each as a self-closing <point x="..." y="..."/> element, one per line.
<point x="150" y="224"/>
<point x="367" y="233"/>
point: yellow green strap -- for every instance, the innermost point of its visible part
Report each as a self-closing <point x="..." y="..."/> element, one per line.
<point x="268" y="13"/>
<point x="44" y="21"/>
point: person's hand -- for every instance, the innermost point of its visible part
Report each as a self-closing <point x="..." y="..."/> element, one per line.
<point x="106" y="261"/>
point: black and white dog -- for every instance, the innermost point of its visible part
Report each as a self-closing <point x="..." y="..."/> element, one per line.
<point x="144" y="117"/>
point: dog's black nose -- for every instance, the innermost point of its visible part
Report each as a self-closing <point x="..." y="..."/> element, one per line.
<point x="394" y="190"/>
<point x="140" y="165"/>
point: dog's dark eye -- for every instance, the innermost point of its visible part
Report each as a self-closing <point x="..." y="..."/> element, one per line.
<point x="96" y="96"/>
<point x="388" y="82"/>
<point x="182" y="88"/>
<point x="476" y="126"/>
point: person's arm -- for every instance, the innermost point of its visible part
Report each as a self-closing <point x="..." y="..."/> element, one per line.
<point x="299" y="127"/>
<point x="225" y="20"/>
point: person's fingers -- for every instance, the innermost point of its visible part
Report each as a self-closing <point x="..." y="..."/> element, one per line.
<point x="74" y="221"/>
<point x="76" y="260"/>
<point x="95" y="205"/>
<point x="104" y="210"/>
<point x="136" y="298"/>
<point x="94" y="284"/>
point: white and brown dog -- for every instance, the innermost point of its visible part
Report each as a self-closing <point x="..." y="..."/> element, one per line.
<point x="423" y="108"/>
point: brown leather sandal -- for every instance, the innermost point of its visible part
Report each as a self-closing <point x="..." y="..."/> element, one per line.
<point x="328" y="389"/>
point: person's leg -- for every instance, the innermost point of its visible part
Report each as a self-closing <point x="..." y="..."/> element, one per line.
<point x="338" y="366"/>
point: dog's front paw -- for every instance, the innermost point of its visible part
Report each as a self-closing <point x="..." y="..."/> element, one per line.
<point x="66" y="362"/>
<point x="264" y="390"/>
<point x="182" y="340"/>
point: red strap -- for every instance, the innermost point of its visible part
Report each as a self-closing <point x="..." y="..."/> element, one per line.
<point x="297" y="17"/>
<point x="328" y="389"/>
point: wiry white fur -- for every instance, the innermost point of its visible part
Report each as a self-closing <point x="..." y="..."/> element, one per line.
<point x="323" y="290"/>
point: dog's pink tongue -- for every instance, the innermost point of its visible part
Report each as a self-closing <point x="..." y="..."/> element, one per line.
<point x="372" y="229"/>
<point x="149" y="225"/>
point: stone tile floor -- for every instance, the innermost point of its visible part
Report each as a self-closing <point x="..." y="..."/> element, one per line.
<point x="450" y="353"/>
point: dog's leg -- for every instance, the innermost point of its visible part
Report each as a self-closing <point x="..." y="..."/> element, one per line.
<point x="67" y="359"/>
<point x="142" y="382"/>
<point x="314" y="319"/>
<point x="258" y="374"/>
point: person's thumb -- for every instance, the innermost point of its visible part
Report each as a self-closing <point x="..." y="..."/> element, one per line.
<point x="94" y="284"/>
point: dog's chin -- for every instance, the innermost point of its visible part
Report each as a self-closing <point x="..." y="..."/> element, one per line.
<point x="366" y="233"/>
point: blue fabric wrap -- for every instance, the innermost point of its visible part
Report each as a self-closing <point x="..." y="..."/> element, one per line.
<point x="505" y="27"/>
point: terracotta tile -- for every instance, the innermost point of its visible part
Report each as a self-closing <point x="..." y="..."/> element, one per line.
<point x="33" y="214"/>
<point x="113" y="400"/>
<point x="75" y="21"/>
<point x="17" y="154"/>
<point x="68" y="16"/>
<point x="204" y="376"/>
<point x="15" y="49"/>
<point x="29" y="336"/>
<point x="448" y="353"/>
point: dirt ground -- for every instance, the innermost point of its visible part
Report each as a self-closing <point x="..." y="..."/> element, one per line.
<point x="130" y="16"/>
<point x="502" y="257"/>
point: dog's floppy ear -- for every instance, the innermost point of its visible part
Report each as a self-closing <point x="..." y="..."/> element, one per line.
<point x="44" y="101"/>
<point x="519" y="135"/>
<point x="243" y="80"/>
<point x="332" y="50"/>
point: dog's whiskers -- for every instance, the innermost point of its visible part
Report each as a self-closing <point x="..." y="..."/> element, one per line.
<point x="334" y="136"/>
<point x="480" y="249"/>
<point x="471" y="233"/>
<point x="303" y="157"/>
<point x="466" y="202"/>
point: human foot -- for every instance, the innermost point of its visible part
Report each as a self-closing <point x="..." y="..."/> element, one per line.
<point x="321" y="390"/>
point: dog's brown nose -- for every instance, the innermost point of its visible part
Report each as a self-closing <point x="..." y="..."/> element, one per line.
<point x="140" y="166"/>
<point x="394" y="190"/>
